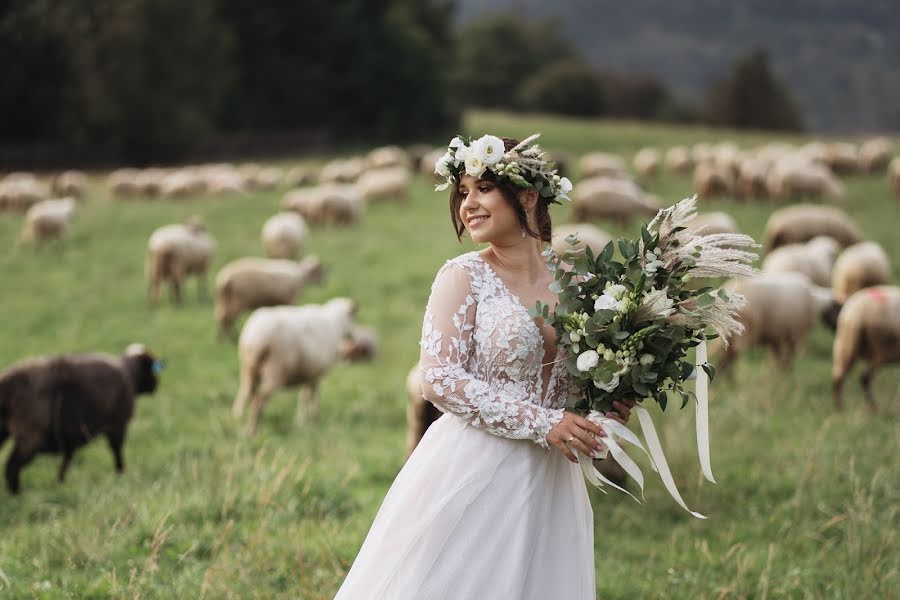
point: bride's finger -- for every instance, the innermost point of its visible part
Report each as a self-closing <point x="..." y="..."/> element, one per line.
<point x="566" y="451"/>
<point x="590" y="426"/>
<point x="579" y="445"/>
<point x="589" y="440"/>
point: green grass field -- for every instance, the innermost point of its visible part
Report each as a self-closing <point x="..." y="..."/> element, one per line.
<point x="806" y="501"/>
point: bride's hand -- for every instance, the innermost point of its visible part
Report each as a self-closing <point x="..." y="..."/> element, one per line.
<point x="623" y="410"/>
<point x="580" y="434"/>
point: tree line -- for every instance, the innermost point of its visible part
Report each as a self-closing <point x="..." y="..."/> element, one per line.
<point x="149" y="79"/>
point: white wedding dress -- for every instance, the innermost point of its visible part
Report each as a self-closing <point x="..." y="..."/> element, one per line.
<point x="482" y="509"/>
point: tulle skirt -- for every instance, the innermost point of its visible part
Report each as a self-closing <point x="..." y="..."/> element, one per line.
<point x="475" y="516"/>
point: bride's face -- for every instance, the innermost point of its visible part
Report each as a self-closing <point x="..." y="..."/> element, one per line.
<point x="487" y="215"/>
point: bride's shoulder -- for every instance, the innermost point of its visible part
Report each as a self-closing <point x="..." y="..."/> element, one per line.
<point x="467" y="262"/>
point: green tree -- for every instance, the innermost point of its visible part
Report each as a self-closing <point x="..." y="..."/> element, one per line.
<point x="567" y="87"/>
<point x="497" y="54"/>
<point x="752" y="97"/>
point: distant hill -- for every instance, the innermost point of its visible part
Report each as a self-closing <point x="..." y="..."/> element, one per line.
<point x="840" y="58"/>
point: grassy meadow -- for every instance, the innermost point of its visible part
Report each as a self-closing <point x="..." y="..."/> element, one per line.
<point x="806" y="501"/>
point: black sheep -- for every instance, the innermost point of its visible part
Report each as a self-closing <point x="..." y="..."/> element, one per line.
<point x="58" y="404"/>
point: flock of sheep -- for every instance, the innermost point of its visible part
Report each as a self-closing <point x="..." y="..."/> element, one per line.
<point x="818" y="266"/>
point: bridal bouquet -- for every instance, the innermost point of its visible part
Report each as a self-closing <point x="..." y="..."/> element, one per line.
<point x="628" y="325"/>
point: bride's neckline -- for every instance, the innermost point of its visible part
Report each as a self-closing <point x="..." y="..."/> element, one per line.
<point x="535" y="328"/>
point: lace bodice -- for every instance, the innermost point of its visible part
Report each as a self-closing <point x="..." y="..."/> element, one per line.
<point x="481" y="355"/>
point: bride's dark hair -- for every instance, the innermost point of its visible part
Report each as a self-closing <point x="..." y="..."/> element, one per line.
<point x="511" y="194"/>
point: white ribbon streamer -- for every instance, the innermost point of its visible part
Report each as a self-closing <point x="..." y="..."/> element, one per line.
<point x="702" y="391"/>
<point x="615" y="431"/>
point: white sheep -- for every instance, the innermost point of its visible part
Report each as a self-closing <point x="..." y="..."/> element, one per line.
<point x="387" y="156"/>
<point x="894" y="174"/>
<point x="803" y="222"/>
<point x="602" y="164"/>
<point x="175" y="252"/>
<point x="678" y="160"/>
<point x="70" y="183"/>
<point x="362" y="344"/>
<point x="842" y="158"/>
<point x="342" y="170"/>
<point x="587" y="234"/>
<point x="647" y="162"/>
<point x="388" y="183"/>
<point x="861" y="265"/>
<point x="298" y="175"/>
<point x="610" y="198"/>
<point x="251" y="282"/>
<point x="814" y="258"/>
<point x="123" y="182"/>
<point x="752" y="178"/>
<point x="47" y="220"/>
<point x="284" y="235"/>
<point x="868" y="328"/>
<point x="780" y="312"/>
<point x="795" y="177"/>
<point x="875" y="154"/>
<point x="20" y="191"/>
<point x="712" y="180"/>
<point x="287" y="346"/>
<point x="325" y="204"/>
<point x="428" y="161"/>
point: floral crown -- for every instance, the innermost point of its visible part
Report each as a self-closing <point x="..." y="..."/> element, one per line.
<point x="523" y="166"/>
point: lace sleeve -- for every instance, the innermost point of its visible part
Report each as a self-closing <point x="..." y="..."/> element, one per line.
<point x="446" y="347"/>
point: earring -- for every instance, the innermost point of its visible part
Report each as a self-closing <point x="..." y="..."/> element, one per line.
<point x="523" y="232"/>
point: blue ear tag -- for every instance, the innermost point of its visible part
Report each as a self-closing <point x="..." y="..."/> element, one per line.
<point x="158" y="366"/>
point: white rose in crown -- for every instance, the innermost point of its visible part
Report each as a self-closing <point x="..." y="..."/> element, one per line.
<point x="463" y="153"/>
<point x="489" y="149"/>
<point x="587" y="360"/>
<point x="565" y="186"/>
<point x="442" y="166"/>
<point x="475" y="166"/>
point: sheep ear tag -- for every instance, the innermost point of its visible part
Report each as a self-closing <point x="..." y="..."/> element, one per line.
<point x="158" y="366"/>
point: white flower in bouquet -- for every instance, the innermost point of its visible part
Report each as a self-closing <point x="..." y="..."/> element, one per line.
<point x="489" y="149"/>
<point x="475" y="166"/>
<point x="574" y="337"/>
<point x="608" y="387"/>
<point x="442" y="166"/>
<point x="615" y="290"/>
<point x="606" y="302"/>
<point x="646" y="359"/>
<point x="587" y="360"/>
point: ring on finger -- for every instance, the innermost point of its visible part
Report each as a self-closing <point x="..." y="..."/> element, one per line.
<point x="571" y="438"/>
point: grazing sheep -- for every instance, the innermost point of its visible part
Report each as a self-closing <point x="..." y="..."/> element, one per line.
<point x="285" y="346"/>
<point x="803" y="222"/>
<point x="861" y="265"/>
<point x="868" y="328"/>
<point x="713" y="222"/>
<point x="842" y="158"/>
<point x="387" y="156"/>
<point x="389" y="183"/>
<point x="428" y="162"/>
<point x="602" y="164"/>
<point x="297" y="176"/>
<point x="58" y="404"/>
<point x="47" y="220"/>
<point x="325" y="204"/>
<point x="420" y="413"/>
<point x="814" y="259"/>
<point x="175" y="252"/>
<point x="21" y="191"/>
<point x="587" y="234"/>
<point x="249" y="283"/>
<point x="284" y="235"/>
<point x="362" y="345"/>
<point x="70" y="183"/>
<point x="346" y="170"/>
<point x="647" y="162"/>
<point x="752" y="181"/>
<point x="799" y="178"/>
<point x="894" y="170"/>
<point x="712" y="180"/>
<point x="607" y="198"/>
<point x="875" y="154"/>
<point x="678" y="160"/>
<point x="123" y="182"/>
<point x="780" y="312"/>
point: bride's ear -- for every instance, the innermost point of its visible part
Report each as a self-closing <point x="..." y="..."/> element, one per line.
<point x="528" y="199"/>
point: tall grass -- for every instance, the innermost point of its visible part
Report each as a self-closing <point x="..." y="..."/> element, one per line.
<point x="805" y="507"/>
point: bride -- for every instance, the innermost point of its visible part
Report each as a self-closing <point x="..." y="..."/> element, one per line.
<point x="492" y="503"/>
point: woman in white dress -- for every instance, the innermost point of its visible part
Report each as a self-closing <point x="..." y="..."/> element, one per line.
<point x="491" y="504"/>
